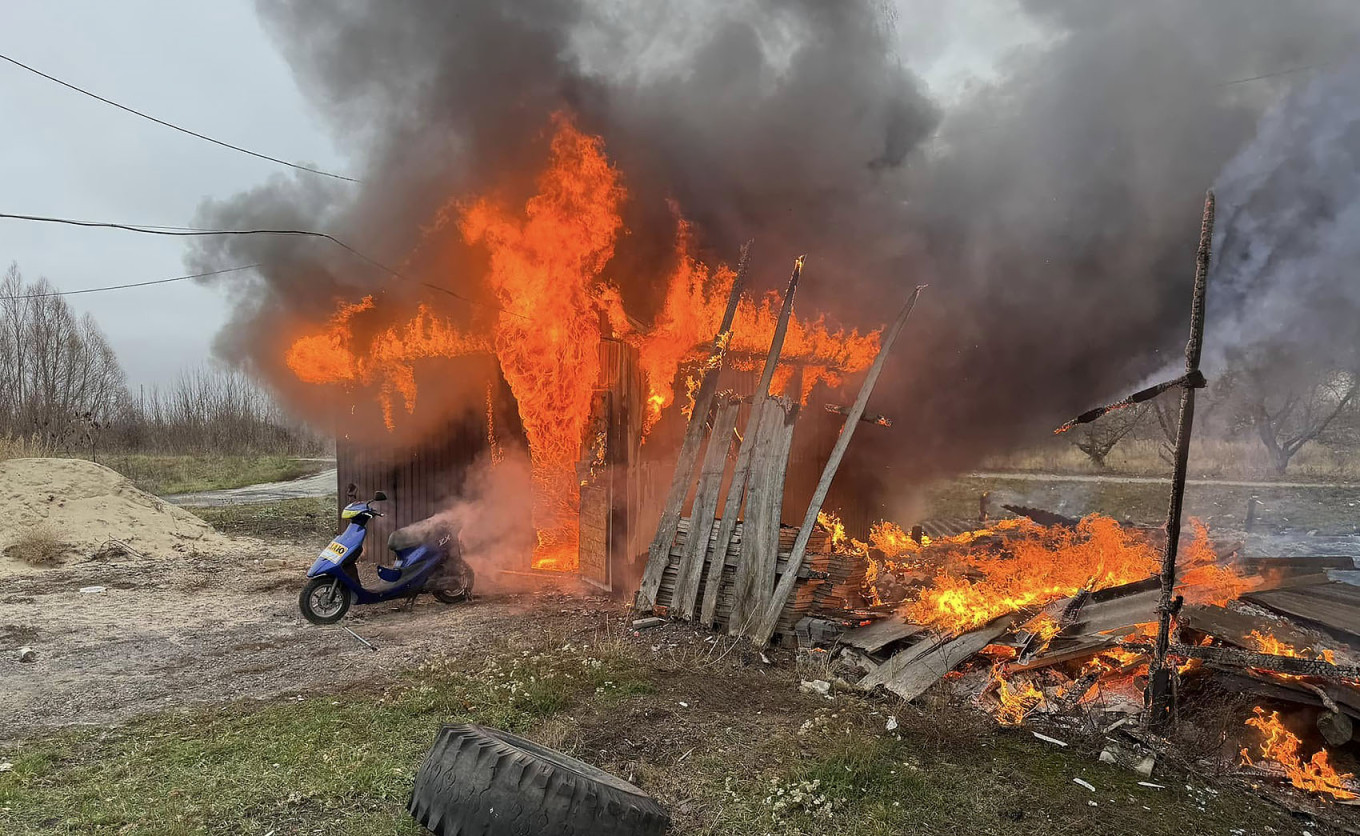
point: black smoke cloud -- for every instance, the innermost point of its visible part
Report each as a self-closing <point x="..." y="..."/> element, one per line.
<point x="1054" y="212"/>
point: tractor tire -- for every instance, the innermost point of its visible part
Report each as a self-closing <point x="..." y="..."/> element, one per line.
<point x="485" y="781"/>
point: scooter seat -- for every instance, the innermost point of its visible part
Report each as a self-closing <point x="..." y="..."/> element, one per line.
<point x="404" y="538"/>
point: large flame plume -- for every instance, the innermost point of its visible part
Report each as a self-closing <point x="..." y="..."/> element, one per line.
<point x="547" y="273"/>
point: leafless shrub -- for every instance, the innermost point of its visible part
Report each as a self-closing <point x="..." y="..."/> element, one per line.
<point x="38" y="546"/>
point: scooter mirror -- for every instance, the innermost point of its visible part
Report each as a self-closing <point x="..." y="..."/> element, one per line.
<point x="378" y="496"/>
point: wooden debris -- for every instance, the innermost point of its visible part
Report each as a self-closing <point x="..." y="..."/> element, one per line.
<point x="880" y="634"/>
<point x="683" y="476"/>
<point x="736" y="491"/>
<point x="868" y="417"/>
<point x="1264" y="661"/>
<point x="924" y="668"/>
<point x="704" y="506"/>
<point x="764" y="625"/>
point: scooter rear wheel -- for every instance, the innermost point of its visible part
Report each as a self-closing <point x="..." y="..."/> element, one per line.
<point x="324" y="600"/>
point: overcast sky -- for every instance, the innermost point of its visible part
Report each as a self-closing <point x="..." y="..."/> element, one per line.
<point x="206" y="66"/>
<point x="210" y="67"/>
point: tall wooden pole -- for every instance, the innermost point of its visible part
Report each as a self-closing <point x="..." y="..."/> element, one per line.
<point x="764" y="626"/>
<point x="1161" y="687"/>
<point x="659" y="553"/>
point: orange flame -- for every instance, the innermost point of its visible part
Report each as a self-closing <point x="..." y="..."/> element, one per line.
<point x="1266" y="643"/>
<point x="546" y="260"/>
<point x="329" y="357"/>
<point x="544" y="269"/>
<point x="1016" y="699"/>
<point x="1282" y="746"/>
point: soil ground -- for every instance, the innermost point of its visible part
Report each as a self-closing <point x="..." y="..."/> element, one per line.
<point x="189" y="696"/>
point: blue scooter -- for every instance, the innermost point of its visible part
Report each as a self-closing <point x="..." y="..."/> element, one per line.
<point x="427" y="560"/>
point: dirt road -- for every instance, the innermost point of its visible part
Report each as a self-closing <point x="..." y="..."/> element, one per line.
<point x="171" y="633"/>
<point x="319" y="484"/>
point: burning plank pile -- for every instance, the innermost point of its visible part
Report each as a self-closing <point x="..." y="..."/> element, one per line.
<point x="1029" y="619"/>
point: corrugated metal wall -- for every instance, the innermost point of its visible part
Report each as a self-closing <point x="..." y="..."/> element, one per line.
<point x="422" y="477"/>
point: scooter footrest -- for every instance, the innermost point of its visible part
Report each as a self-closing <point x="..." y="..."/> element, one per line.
<point x="389" y="574"/>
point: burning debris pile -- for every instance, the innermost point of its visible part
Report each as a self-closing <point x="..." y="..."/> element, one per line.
<point x="1030" y="620"/>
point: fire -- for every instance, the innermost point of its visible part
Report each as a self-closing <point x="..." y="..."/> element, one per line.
<point x="329" y="356"/>
<point x="1282" y="746"/>
<point x="1032" y="568"/>
<point x="1016" y="699"/>
<point x="545" y="266"/>
<point x="1267" y="643"/>
<point x="983" y="578"/>
<point x="696" y="300"/>
<point x="545" y="270"/>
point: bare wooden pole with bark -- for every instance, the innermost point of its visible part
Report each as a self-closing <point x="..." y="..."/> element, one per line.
<point x="1161" y="687"/>
<point x="765" y="623"/>
<point x="736" y="491"/>
<point x="659" y="553"/>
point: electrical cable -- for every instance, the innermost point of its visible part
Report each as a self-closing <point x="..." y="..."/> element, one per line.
<point x="193" y="232"/>
<point x="173" y="126"/>
<point x="126" y="286"/>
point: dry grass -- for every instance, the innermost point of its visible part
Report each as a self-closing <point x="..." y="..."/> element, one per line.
<point x="22" y="447"/>
<point x="1209" y="459"/>
<point x="38" y="546"/>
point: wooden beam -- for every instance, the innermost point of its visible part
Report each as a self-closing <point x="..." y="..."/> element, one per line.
<point x="691" y="569"/>
<point x="764" y="627"/>
<point x="736" y="491"/>
<point x="658" y="555"/>
<point x="1264" y="661"/>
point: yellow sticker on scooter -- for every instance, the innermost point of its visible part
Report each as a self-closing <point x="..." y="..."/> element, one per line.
<point x="338" y="548"/>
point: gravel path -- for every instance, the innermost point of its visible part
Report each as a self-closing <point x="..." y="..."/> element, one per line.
<point x="319" y="484"/>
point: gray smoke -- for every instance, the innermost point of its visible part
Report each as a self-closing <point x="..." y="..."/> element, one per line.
<point x="1054" y="212"/>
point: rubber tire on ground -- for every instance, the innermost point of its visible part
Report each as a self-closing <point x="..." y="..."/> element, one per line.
<point x="490" y="782"/>
<point x="305" y="600"/>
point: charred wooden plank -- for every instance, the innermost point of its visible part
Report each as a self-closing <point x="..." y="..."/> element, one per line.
<point x="764" y="625"/>
<point x="915" y="678"/>
<point x="683" y="476"/>
<point x="1263" y="661"/>
<point x="880" y="634"/>
<point x="1333" y="606"/>
<point x="868" y="417"/>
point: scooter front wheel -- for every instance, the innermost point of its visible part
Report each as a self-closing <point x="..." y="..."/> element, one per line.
<point x="325" y="600"/>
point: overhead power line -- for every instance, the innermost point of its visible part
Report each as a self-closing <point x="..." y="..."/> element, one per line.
<point x="126" y="286"/>
<point x="173" y="126"/>
<point x="194" y="232"/>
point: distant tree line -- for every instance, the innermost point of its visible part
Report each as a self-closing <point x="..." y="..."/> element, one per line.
<point x="62" y="389"/>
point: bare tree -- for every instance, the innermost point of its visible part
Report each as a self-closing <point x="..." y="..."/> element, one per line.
<point x="1099" y="438"/>
<point x="59" y="378"/>
<point x="1291" y="402"/>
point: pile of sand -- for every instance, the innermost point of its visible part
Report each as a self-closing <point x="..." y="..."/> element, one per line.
<point x="86" y="505"/>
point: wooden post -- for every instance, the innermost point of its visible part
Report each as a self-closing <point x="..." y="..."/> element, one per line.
<point x="658" y="555"/>
<point x="736" y="492"/>
<point x="691" y="568"/>
<point x="764" y="626"/>
<point x="1161" y="690"/>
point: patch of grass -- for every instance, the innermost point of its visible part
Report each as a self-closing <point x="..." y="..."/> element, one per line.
<point x="729" y="749"/>
<point x="22" y="447"/>
<point x="167" y="475"/>
<point x="38" y="546"/>
<point x="341" y="762"/>
<point x="297" y="520"/>
<point x="873" y="785"/>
